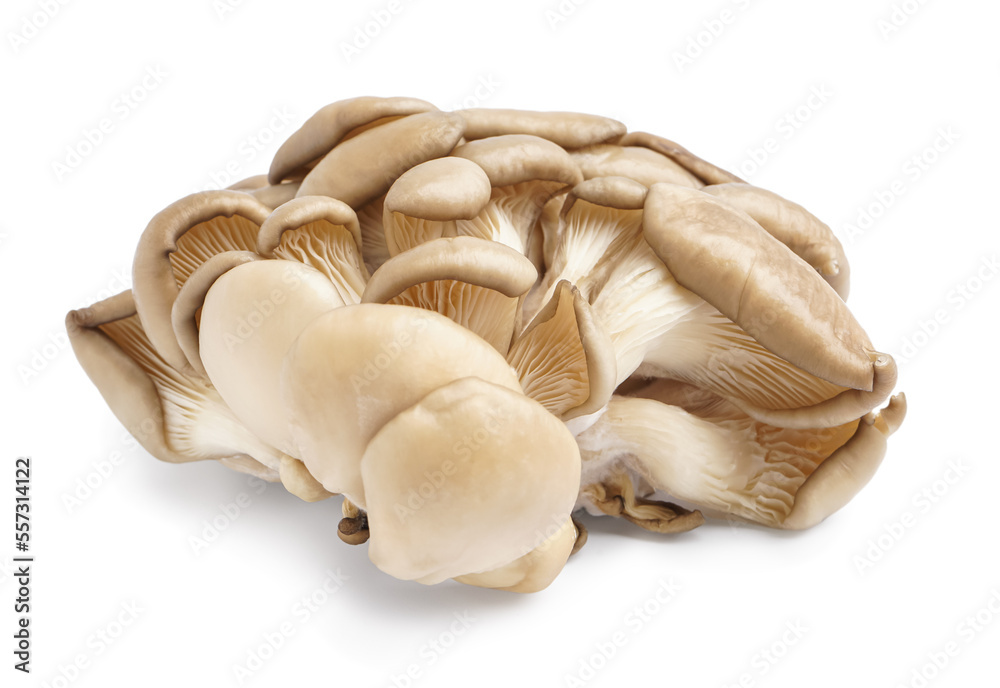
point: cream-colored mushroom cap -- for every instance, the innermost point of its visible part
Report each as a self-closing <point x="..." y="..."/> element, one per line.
<point x="425" y="202"/>
<point x="535" y="570"/>
<point x="331" y="124"/>
<point x="469" y="479"/>
<point x="251" y="316"/>
<point x="364" y="167"/>
<point x="567" y="129"/>
<point x="355" y="368"/>
<point x="725" y="257"/>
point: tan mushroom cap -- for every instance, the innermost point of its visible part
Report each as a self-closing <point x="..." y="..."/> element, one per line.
<point x="474" y="282"/>
<point x="191" y="297"/>
<point x="443" y="189"/>
<point x="176" y="417"/>
<point x="424" y="203"/>
<point x="320" y="232"/>
<point x="305" y="210"/>
<point x="725" y="257"/>
<point x="840" y="477"/>
<point x="702" y="169"/>
<point x="516" y="158"/>
<point x="535" y="570"/>
<point x="251" y="315"/>
<point x="794" y="226"/>
<point x="222" y="220"/>
<point x="333" y="123"/>
<point x="500" y="471"/>
<point x="567" y="129"/>
<point x="644" y="165"/>
<point x="617" y="192"/>
<point x="353" y="369"/>
<point x="464" y="259"/>
<point x="365" y="166"/>
<point x="123" y="383"/>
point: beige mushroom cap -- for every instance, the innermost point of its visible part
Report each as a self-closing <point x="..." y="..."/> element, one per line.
<point x="331" y="124"/>
<point x="534" y="571"/>
<point x="725" y="257"/>
<point x="467" y="480"/>
<point x="251" y="316"/>
<point x="465" y="259"/>
<point x="364" y="167"/>
<point x="443" y="189"/>
<point x="620" y="193"/>
<point x="635" y="162"/>
<point x="353" y="369"/>
<point x="223" y="215"/>
<point x="516" y="158"/>
<point x="567" y="129"/>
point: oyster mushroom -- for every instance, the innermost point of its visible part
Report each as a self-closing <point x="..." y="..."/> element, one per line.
<point x="471" y="324"/>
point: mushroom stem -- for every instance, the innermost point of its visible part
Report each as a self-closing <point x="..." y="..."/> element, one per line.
<point x="615" y="496"/>
<point x="353" y="528"/>
<point x="581" y="535"/>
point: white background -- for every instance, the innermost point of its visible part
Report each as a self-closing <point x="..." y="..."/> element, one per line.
<point x="65" y="239"/>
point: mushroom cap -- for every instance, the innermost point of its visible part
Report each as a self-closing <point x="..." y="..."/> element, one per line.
<point x="500" y="471"/>
<point x="794" y="226"/>
<point x="464" y="259"/>
<point x="567" y="129"/>
<point x="620" y="193"/>
<point x="155" y="284"/>
<point x="304" y="210"/>
<point x="251" y="316"/>
<point x="364" y="167"/>
<point x="442" y="189"/>
<point x="644" y="165"/>
<point x="353" y="369"/>
<point x="702" y="169"/>
<point x="534" y="571"/>
<point x="516" y="158"/>
<point x="725" y="257"/>
<point x="331" y="124"/>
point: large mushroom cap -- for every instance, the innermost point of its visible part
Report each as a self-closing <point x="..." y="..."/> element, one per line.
<point x="353" y="369"/>
<point x="467" y="480"/>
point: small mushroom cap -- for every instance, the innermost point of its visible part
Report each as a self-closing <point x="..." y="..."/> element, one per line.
<point x="567" y="129"/>
<point x="364" y="167"/>
<point x="620" y="193"/>
<point x="191" y="298"/>
<point x="517" y="158"/>
<point x="702" y="169"/>
<point x="354" y="368"/>
<point x="302" y="211"/>
<point x="464" y="259"/>
<point x="331" y="124"/>
<point x="534" y="571"/>
<point x="155" y="282"/>
<point x="251" y="316"/>
<point x="725" y="257"/>
<point x="500" y="471"/>
<point x="635" y="162"/>
<point x="443" y="189"/>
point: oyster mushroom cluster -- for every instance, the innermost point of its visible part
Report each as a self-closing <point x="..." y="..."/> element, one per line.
<point x="471" y="324"/>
